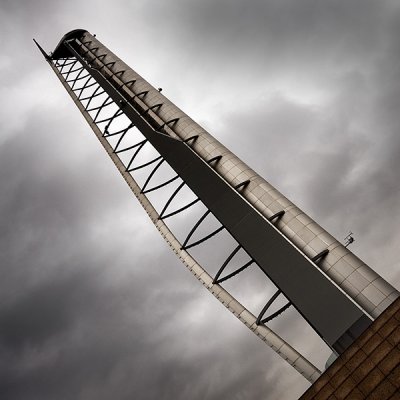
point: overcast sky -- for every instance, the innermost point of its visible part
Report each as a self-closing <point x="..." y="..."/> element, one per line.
<point x="93" y="305"/>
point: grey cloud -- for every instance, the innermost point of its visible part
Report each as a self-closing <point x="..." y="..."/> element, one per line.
<point x="79" y="320"/>
<point x="277" y="33"/>
<point x="305" y="92"/>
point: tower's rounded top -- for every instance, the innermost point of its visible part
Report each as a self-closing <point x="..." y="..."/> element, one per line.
<point x="60" y="51"/>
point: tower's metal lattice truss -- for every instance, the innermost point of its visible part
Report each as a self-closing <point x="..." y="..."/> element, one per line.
<point x="141" y="131"/>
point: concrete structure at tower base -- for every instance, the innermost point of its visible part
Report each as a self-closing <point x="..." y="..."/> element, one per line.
<point x="369" y="368"/>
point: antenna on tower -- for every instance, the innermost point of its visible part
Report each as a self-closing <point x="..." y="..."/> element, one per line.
<point x="349" y="239"/>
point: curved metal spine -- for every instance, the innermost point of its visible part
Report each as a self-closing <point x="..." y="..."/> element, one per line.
<point x="78" y="78"/>
<point x="194" y="138"/>
<point x="210" y="235"/>
<point x="158" y="105"/>
<point x="151" y="175"/>
<point x="144" y="190"/>
<point x="162" y="213"/>
<point x="139" y="94"/>
<point x="120" y="139"/>
<point x="171" y="198"/>
<point x="168" y="123"/>
<point x="196" y="225"/>
<point x="68" y="72"/>
<point x="139" y="147"/>
<point x="320" y="256"/>
<point x="74" y="80"/>
<point x="141" y="143"/>
<point x="110" y="64"/>
<point x="124" y="130"/>
<point x="276" y="313"/>
<point x="276" y="216"/>
<point x="85" y="86"/>
<point x="106" y="103"/>
<point x="216" y="158"/>
<point x="110" y="119"/>
<point x="237" y="271"/>
<point x="65" y="64"/>
<point x="94" y="94"/>
<point x="226" y="263"/>
<point x="242" y="185"/>
<point x="265" y="308"/>
<point x="128" y="84"/>
<point x="180" y="209"/>
<point x="72" y="71"/>
<point x="161" y="185"/>
<point x="118" y="73"/>
<point x="145" y="164"/>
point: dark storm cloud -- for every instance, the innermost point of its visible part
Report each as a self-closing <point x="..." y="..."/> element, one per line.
<point x="254" y="42"/>
<point x="306" y="92"/>
<point x="322" y="103"/>
<point x="79" y="320"/>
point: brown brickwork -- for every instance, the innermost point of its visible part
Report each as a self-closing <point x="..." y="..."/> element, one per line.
<point x="369" y="368"/>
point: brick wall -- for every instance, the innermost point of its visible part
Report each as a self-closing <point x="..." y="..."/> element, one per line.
<point x="369" y="368"/>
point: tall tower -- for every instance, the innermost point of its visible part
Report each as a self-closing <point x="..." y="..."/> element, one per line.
<point x="317" y="275"/>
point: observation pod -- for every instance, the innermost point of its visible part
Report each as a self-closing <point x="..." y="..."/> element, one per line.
<point x="317" y="275"/>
